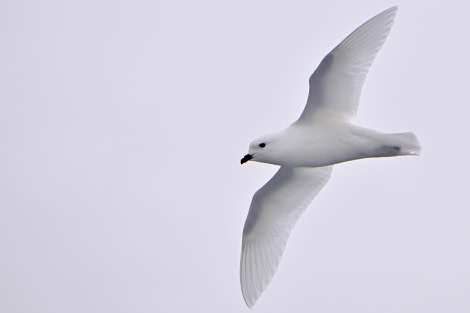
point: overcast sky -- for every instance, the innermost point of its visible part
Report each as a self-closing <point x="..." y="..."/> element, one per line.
<point x="122" y="124"/>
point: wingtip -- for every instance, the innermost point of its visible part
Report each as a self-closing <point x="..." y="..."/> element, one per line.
<point x="249" y="301"/>
<point x="250" y="305"/>
<point x="392" y="10"/>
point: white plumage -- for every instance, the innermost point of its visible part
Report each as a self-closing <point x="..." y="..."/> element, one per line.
<point x="306" y="151"/>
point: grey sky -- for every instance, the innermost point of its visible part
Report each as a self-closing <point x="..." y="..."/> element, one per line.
<point x="121" y="129"/>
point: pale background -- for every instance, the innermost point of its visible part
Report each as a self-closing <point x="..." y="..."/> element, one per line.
<point x="122" y="124"/>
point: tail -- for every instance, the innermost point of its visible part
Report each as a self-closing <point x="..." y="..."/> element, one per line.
<point x="407" y="142"/>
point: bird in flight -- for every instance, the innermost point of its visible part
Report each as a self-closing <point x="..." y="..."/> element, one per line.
<point x="307" y="150"/>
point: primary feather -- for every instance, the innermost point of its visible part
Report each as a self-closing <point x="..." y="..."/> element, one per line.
<point x="335" y="86"/>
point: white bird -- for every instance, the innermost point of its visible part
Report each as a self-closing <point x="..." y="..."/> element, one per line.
<point x="307" y="149"/>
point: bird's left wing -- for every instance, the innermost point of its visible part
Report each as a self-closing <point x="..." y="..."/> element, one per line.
<point x="335" y="86"/>
<point x="274" y="210"/>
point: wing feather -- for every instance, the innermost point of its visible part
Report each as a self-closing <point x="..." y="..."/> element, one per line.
<point x="335" y="86"/>
<point x="274" y="210"/>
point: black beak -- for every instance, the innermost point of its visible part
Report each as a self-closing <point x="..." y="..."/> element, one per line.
<point x="246" y="158"/>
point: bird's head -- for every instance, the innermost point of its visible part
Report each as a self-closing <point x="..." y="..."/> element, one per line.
<point x="264" y="149"/>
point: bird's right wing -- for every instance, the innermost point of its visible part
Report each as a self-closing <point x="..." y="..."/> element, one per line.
<point x="274" y="210"/>
<point x="335" y="86"/>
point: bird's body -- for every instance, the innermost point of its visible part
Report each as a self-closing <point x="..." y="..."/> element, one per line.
<point x="306" y="151"/>
<point x="327" y="143"/>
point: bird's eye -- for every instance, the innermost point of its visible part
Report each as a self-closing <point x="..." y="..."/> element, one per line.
<point x="262" y="145"/>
